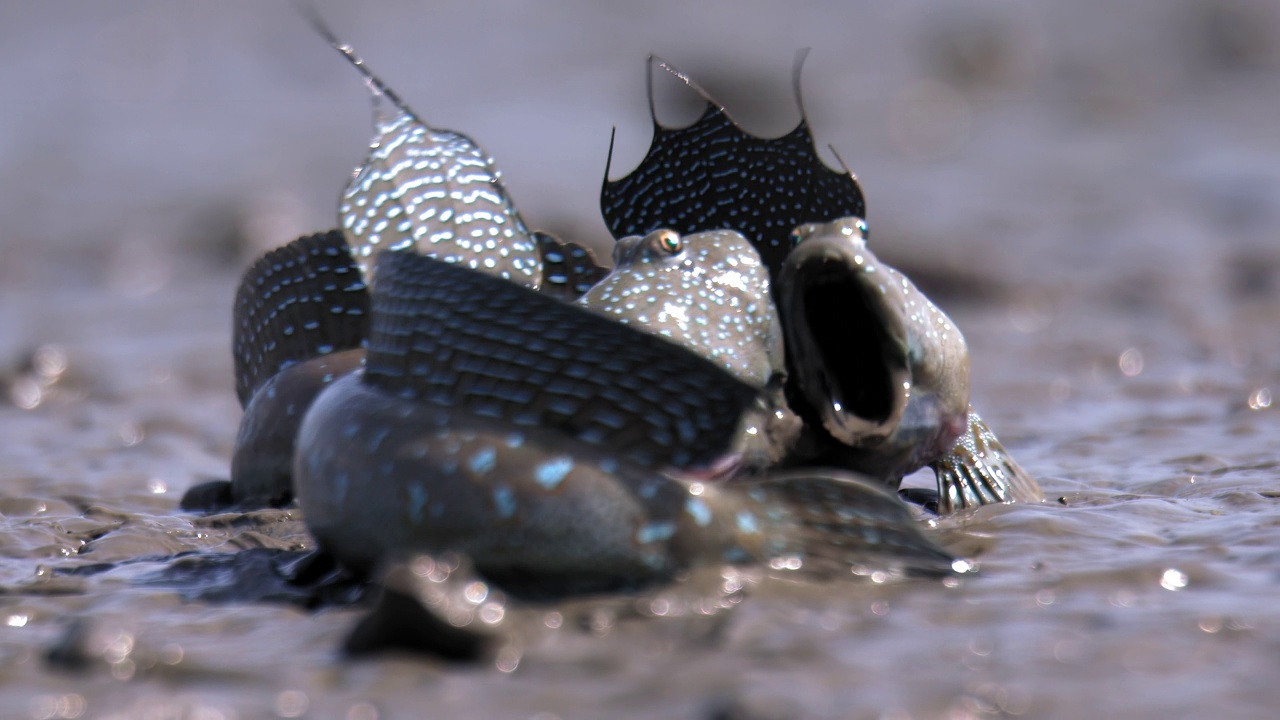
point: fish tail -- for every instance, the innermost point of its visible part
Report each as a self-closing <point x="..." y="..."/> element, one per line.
<point x="834" y="523"/>
<point x="457" y="337"/>
<point x="568" y="269"/>
<point x="297" y="302"/>
<point x="979" y="471"/>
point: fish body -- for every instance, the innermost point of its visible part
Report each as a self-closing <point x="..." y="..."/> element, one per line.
<point x="593" y="459"/>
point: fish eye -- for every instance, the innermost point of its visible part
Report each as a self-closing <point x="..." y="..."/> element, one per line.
<point x="670" y="242"/>
<point x="862" y="228"/>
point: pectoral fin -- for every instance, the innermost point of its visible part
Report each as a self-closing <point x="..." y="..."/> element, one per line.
<point x="979" y="471"/>
<point x="841" y="524"/>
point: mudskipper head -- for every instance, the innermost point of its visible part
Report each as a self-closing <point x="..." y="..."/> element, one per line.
<point x="871" y="359"/>
<point x="708" y="292"/>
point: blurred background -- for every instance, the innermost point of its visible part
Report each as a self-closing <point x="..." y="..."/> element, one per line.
<point x="138" y="136"/>
<point x="1091" y="188"/>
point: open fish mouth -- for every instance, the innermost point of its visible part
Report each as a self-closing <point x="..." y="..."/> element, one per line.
<point x="846" y="341"/>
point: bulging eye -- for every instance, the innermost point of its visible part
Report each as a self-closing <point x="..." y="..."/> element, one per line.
<point x="862" y="228"/>
<point x="670" y="242"/>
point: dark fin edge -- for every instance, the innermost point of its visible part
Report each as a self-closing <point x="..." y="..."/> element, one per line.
<point x="295" y="303"/>
<point x="448" y="335"/>
<point x="979" y="471"/>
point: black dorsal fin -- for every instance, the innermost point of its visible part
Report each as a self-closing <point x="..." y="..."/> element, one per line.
<point x="297" y="302"/>
<point x="714" y="175"/>
<point x="568" y="269"/>
<point x="447" y="335"/>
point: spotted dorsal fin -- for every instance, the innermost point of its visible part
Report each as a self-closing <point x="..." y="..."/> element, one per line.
<point x="431" y="190"/>
<point x="297" y="302"/>
<point x="714" y="175"/>
<point x="453" y="337"/>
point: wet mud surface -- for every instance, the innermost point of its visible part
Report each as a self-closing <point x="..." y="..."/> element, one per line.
<point x="1090" y="192"/>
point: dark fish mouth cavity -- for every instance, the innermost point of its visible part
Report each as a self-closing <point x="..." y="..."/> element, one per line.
<point x="848" y="363"/>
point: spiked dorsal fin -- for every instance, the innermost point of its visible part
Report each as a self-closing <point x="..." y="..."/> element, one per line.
<point x="714" y="175"/>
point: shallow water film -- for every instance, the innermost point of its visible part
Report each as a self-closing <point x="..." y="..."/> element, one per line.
<point x="1090" y="189"/>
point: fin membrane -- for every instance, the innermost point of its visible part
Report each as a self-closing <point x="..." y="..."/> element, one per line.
<point x="714" y="175"/>
<point x="979" y="471"/>
<point x="429" y="189"/>
<point x="455" y="337"/>
<point x="843" y="523"/>
<point x="568" y="269"/>
<point x="297" y="302"/>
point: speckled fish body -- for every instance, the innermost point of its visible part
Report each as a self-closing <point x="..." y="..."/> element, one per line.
<point x="882" y="373"/>
<point x="546" y="442"/>
<point x="708" y="292"/>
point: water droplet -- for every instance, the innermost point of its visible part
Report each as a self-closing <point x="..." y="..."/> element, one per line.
<point x="1131" y="362"/>
<point x="1173" y="579"/>
<point x="476" y="592"/>
<point x="1260" y="399"/>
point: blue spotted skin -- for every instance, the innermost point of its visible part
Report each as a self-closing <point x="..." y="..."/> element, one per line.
<point x="881" y="374"/>
<point x="708" y="292"/>
<point x="418" y="453"/>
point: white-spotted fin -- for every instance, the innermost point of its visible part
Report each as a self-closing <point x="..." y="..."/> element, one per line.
<point x="568" y="269"/>
<point x="714" y="175"/>
<point x="298" y="302"/>
<point x="431" y="190"/>
<point x="979" y="471"/>
<point x="456" y="338"/>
